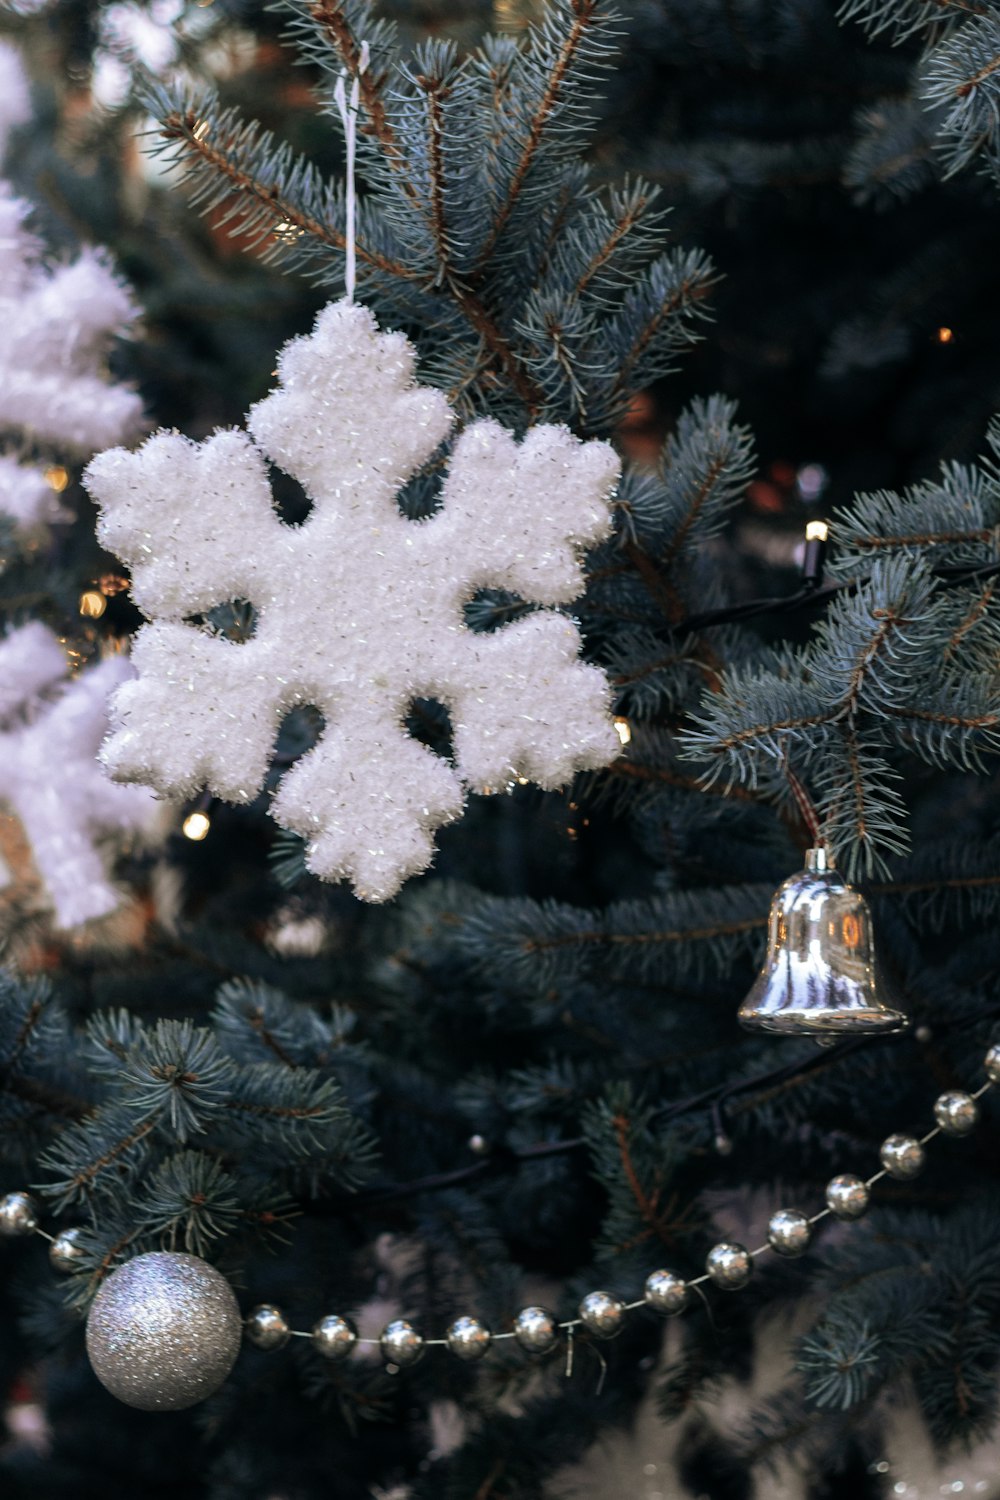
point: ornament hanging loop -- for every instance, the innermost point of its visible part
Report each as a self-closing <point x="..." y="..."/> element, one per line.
<point x="804" y="803"/>
<point x="348" y="108"/>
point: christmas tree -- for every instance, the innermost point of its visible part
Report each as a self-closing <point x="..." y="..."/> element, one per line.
<point x="498" y="637"/>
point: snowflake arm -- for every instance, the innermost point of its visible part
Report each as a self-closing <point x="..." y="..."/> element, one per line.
<point x="180" y="513"/>
<point x="367" y="799"/>
<point x="347" y="420"/>
<point x="203" y="711"/>
<point x="518" y="515"/>
<point x="524" y="704"/>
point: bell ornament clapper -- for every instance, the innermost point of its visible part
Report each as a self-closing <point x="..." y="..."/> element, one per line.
<point x="821" y="973"/>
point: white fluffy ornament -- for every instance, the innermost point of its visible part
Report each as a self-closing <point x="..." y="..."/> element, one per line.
<point x="359" y="609"/>
<point x="50" y="777"/>
<point x="57" y="322"/>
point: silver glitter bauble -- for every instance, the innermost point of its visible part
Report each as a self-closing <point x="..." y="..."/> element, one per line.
<point x="666" y="1292"/>
<point x="536" y="1330"/>
<point x="400" y="1343"/>
<point x="334" y="1337"/>
<point x="847" y="1196"/>
<point x="164" y="1331"/>
<point x="902" y="1156"/>
<point x="789" y="1232"/>
<point x="267" y="1327"/>
<point x="729" y="1266"/>
<point x="18" y="1214"/>
<point x="66" y="1251"/>
<point x="469" y="1339"/>
<point x="991" y="1062"/>
<point x="603" y="1314"/>
<point x="821" y="972"/>
<point x="956" y="1113"/>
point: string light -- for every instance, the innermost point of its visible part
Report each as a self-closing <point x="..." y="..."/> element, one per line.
<point x="945" y="336"/>
<point x="814" y="555"/>
<point x="623" y="729"/>
<point x="57" y="478"/>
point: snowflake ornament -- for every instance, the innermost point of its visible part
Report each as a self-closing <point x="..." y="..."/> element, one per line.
<point x="50" y="776"/>
<point x="359" y="610"/>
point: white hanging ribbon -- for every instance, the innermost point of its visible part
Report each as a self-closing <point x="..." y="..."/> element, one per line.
<point x="349" y="115"/>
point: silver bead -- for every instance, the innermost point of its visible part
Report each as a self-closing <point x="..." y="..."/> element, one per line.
<point x="846" y="1196"/>
<point x="65" y="1251"/>
<point x="164" y="1331"/>
<point x="956" y="1113"/>
<point x="603" y="1314"/>
<point x="334" y="1337"/>
<point x="789" y="1232"/>
<point x="468" y="1339"/>
<point x="902" y="1156"/>
<point x="991" y="1063"/>
<point x="729" y="1266"/>
<point x="665" y="1292"/>
<point x="400" y="1343"/>
<point x="18" y="1214"/>
<point x="267" y="1326"/>
<point x="536" y="1330"/>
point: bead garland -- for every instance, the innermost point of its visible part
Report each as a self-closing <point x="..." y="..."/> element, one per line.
<point x="728" y="1265"/>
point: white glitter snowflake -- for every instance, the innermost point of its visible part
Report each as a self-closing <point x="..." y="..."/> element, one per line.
<point x="50" y="776"/>
<point x="359" y="610"/>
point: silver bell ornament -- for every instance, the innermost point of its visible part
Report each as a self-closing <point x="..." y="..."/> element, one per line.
<point x="821" y="973"/>
<point x="164" y="1331"/>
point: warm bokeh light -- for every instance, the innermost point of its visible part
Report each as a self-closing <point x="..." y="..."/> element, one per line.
<point x="624" y="730"/>
<point x="196" y="826"/>
<point x="92" y="604"/>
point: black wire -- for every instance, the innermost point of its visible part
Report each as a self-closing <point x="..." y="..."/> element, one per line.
<point x="807" y="597"/>
<point x="504" y="1158"/>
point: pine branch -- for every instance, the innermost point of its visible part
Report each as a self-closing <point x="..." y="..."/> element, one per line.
<point x="584" y="17"/>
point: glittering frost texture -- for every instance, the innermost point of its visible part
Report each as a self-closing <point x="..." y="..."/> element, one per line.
<point x="57" y="323"/>
<point x="164" y="1331"/>
<point x="360" y="610"/>
<point x="50" y="776"/>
